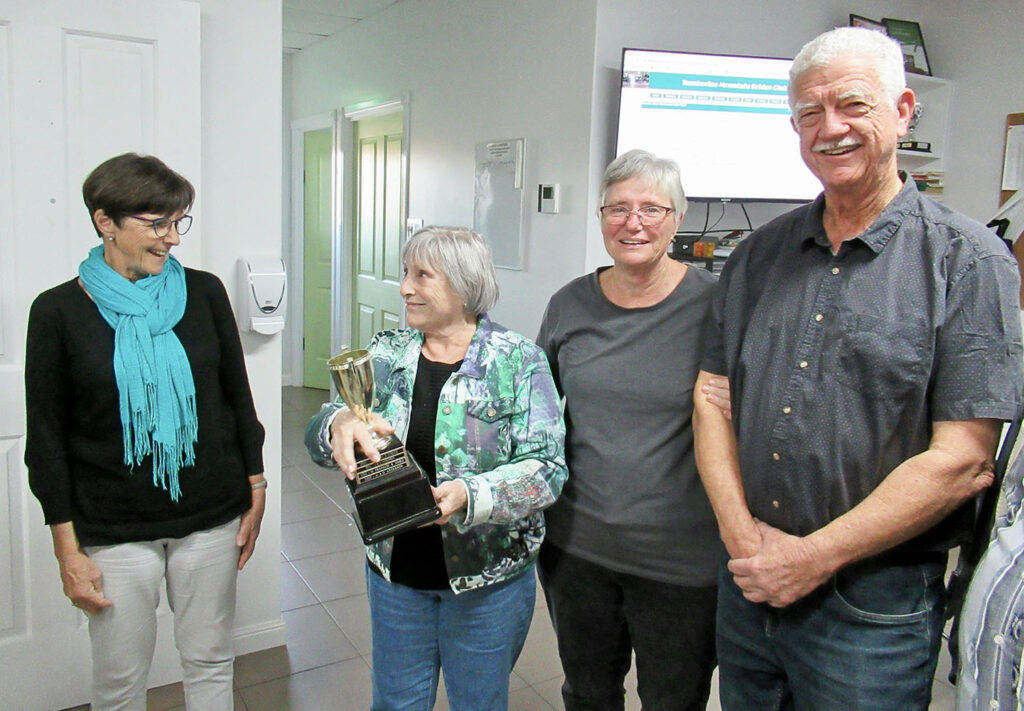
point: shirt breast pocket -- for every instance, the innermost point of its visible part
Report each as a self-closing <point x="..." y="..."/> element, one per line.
<point x="490" y="411"/>
<point x="489" y="427"/>
<point x="882" y="359"/>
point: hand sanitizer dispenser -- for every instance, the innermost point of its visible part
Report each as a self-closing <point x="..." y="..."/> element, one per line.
<point x="263" y="301"/>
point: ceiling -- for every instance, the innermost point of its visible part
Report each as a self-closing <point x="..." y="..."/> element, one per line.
<point x="307" y="21"/>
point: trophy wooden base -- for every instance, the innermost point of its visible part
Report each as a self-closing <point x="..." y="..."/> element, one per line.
<point x="920" y="146"/>
<point x="392" y="495"/>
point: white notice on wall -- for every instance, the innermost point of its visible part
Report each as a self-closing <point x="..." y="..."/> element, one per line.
<point x="1013" y="161"/>
<point x="498" y="199"/>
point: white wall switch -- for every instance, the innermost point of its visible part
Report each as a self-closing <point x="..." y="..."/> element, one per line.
<point x="547" y="197"/>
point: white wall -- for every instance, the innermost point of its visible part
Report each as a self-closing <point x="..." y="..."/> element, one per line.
<point x="241" y="178"/>
<point x="291" y="372"/>
<point x="481" y="70"/>
<point x="978" y="46"/>
<point x="477" y="71"/>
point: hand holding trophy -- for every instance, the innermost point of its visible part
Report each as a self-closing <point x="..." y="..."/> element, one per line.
<point x="391" y="495"/>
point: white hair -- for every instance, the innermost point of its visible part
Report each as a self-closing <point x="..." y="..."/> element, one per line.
<point x="463" y="256"/>
<point x="882" y="52"/>
<point x="661" y="173"/>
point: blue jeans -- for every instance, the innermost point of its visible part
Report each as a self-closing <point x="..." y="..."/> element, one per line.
<point x="601" y="617"/>
<point x="866" y="640"/>
<point x="475" y="636"/>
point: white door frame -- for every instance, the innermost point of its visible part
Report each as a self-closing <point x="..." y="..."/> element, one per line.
<point x="342" y="201"/>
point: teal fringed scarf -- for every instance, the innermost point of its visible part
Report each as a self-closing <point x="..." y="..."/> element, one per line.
<point x="154" y="380"/>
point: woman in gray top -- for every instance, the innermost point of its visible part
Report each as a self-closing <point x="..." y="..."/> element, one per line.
<point x="629" y="562"/>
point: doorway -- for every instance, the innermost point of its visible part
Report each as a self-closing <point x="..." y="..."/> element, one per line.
<point x="316" y="257"/>
<point x="349" y="193"/>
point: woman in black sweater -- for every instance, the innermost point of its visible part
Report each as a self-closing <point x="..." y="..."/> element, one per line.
<point x="143" y="444"/>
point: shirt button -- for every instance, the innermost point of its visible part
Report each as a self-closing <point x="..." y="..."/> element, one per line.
<point x="491" y="412"/>
<point x="775" y="504"/>
<point x="442" y="449"/>
<point x="786" y="410"/>
<point x="819" y="317"/>
<point x="376" y="402"/>
<point x="776" y="456"/>
<point x="454" y="559"/>
<point x="803" y="364"/>
<point x="835" y="270"/>
<point x="447" y="409"/>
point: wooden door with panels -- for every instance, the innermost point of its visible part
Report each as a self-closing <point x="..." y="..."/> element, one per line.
<point x="379" y="219"/>
<point x="79" y="82"/>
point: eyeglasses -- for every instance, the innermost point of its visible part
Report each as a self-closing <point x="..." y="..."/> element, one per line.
<point x="162" y="225"/>
<point x="650" y="215"/>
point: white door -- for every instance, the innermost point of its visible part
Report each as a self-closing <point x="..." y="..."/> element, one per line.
<point x="317" y="242"/>
<point x="79" y="83"/>
<point x="379" y="216"/>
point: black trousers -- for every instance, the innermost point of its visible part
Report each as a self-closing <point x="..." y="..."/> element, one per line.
<point x="602" y="617"/>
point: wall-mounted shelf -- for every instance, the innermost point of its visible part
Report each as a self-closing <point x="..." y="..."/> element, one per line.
<point x="909" y="160"/>
<point x="935" y="96"/>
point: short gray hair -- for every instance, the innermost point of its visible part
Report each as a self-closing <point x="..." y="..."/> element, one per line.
<point x="463" y="256"/>
<point x="883" y="53"/>
<point x="661" y="173"/>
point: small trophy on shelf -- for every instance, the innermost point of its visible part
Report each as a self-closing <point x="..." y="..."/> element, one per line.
<point x="391" y="495"/>
<point x="910" y="143"/>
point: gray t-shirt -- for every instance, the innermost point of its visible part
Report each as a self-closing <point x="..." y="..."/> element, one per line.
<point x="633" y="502"/>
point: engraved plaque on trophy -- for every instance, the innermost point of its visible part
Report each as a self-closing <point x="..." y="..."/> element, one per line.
<point x="393" y="494"/>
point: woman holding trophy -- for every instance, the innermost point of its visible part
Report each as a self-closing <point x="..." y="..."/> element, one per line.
<point x="476" y="407"/>
<point x="143" y="445"/>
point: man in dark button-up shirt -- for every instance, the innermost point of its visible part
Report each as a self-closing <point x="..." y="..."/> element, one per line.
<point x="872" y="340"/>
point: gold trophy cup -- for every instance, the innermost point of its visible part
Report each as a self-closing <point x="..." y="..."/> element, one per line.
<point x="393" y="494"/>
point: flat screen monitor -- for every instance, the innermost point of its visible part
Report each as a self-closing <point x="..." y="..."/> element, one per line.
<point x="723" y="118"/>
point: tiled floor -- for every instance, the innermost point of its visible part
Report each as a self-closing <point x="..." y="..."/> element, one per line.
<point x="326" y="664"/>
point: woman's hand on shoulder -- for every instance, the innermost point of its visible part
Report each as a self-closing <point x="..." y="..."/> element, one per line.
<point x="450" y="497"/>
<point x="249" y="525"/>
<point x="83" y="582"/>
<point x="346" y="431"/>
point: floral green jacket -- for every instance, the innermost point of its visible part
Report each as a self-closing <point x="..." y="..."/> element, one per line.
<point x="499" y="429"/>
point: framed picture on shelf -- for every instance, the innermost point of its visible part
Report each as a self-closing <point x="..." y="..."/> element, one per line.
<point x="908" y="34"/>
<point x="860" y="21"/>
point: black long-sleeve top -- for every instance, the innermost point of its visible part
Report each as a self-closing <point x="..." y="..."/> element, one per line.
<point x="74" y="446"/>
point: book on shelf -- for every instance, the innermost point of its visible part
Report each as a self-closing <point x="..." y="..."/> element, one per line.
<point x="929" y="182"/>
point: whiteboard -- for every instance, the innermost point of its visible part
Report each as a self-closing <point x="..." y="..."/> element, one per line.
<point x="498" y="199"/>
